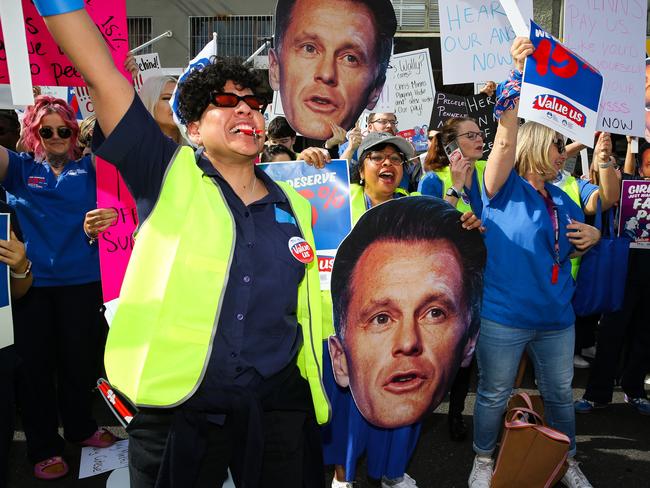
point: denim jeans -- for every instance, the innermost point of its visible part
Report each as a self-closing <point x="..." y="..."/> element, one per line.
<point x="498" y="353"/>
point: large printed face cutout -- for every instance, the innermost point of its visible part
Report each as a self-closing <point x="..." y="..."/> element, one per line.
<point x="325" y="63"/>
<point x="405" y="330"/>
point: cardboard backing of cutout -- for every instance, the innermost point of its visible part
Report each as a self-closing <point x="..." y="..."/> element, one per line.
<point x="329" y="61"/>
<point x="406" y="292"/>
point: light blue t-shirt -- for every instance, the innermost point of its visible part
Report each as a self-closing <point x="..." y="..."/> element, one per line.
<point x="432" y="185"/>
<point x="520" y="242"/>
<point x="51" y="211"/>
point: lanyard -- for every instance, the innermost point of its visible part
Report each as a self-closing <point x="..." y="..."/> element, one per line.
<point x="555" y="220"/>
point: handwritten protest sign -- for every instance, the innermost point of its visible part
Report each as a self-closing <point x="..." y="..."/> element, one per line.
<point x="475" y="39"/>
<point x="447" y="106"/>
<point x="6" y="324"/>
<point x="634" y="220"/>
<point x="560" y="89"/>
<point x="328" y="191"/>
<point x="149" y="66"/>
<point x="611" y="35"/>
<point x="481" y="108"/>
<point x="116" y="242"/>
<point x="96" y="460"/>
<point x="48" y="64"/>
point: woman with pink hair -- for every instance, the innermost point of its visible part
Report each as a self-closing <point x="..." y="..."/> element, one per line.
<point x="58" y="331"/>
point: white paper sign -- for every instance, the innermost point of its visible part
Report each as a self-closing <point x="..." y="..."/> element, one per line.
<point x="96" y="461"/>
<point x="611" y="36"/>
<point x="475" y="39"/>
<point x="13" y="28"/>
<point x="149" y="65"/>
<point x="86" y="106"/>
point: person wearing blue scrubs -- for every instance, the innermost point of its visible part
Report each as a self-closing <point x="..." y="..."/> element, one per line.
<point x="532" y="230"/>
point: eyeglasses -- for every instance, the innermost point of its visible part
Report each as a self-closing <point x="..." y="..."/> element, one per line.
<point x="560" y="144"/>
<point x="230" y="100"/>
<point x="48" y="132"/>
<point x="385" y="122"/>
<point x="379" y="157"/>
<point x="472" y="135"/>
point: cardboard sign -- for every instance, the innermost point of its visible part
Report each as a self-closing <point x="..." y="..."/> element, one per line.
<point x="6" y="322"/>
<point x="116" y="242"/>
<point x="560" y="89"/>
<point x="481" y="108"/>
<point x="634" y="221"/>
<point x="446" y="107"/>
<point x="328" y="191"/>
<point x="149" y="65"/>
<point x="611" y="35"/>
<point x="475" y="39"/>
<point x="48" y="64"/>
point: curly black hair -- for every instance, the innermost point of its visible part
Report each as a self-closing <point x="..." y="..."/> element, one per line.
<point x="194" y="92"/>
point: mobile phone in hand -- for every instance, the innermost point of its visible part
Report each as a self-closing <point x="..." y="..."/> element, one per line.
<point x="453" y="152"/>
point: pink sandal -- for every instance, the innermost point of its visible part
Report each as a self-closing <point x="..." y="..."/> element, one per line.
<point x="51" y="469"/>
<point x="101" y="438"/>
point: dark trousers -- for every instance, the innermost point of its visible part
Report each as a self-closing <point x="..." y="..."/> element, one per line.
<point x="586" y="332"/>
<point x="58" y="331"/>
<point x="7" y="409"/>
<point x="459" y="389"/>
<point x="629" y="325"/>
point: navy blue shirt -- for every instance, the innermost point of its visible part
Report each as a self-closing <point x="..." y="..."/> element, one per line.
<point x="51" y="210"/>
<point x="258" y="332"/>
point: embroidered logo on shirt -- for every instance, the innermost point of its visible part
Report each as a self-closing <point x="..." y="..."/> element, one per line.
<point x="76" y="172"/>
<point x="36" y="182"/>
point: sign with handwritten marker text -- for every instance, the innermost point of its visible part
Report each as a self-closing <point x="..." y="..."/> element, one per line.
<point x="560" y="89"/>
<point x="116" y="242"/>
<point x="328" y="191"/>
<point x="611" y="36"/>
<point x="475" y="39"/>
<point x="48" y="64"/>
<point x="6" y="324"/>
<point x="481" y="109"/>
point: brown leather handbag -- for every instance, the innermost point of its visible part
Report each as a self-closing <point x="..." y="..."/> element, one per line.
<point x="531" y="453"/>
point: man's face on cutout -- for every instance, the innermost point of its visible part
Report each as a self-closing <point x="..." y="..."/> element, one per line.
<point x="405" y="330"/>
<point x="327" y="66"/>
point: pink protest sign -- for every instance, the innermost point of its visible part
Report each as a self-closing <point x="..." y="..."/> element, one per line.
<point x="48" y="65"/>
<point x="116" y="242"/>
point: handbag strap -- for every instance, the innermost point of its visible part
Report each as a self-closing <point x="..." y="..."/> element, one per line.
<point x="514" y="415"/>
<point x="598" y="218"/>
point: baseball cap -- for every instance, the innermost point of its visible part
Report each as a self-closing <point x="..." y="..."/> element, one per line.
<point x="374" y="139"/>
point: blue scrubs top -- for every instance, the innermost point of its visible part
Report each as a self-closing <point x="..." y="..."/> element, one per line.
<point x="432" y="185"/>
<point x="51" y="210"/>
<point x="520" y="241"/>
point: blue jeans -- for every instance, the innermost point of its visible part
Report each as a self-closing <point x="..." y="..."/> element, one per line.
<point x="498" y="353"/>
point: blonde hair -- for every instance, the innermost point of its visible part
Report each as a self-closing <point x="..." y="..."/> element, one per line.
<point x="151" y="90"/>
<point x="533" y="143"/>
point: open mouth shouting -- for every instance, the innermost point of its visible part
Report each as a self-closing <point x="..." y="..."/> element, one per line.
<point x="246" y="129"/>
<point x="387" y="176"/>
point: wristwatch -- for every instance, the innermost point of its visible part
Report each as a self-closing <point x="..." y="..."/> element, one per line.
<point x="23" y="275"/>
<point x="452" y="192"/>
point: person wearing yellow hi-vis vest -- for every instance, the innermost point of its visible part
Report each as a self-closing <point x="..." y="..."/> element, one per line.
<point x="346" y="438"/>
<point x="214" y="337"/>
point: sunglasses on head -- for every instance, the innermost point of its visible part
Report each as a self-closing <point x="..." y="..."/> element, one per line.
<point x="229" y="100"/>
<point x="560" y="144"/>
<point x="48" y="132"/>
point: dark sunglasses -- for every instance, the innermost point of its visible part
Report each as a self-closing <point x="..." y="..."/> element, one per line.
<point x="560" y="144"/>
<point x="48" y="132"/>
<point x="230" y="100"/>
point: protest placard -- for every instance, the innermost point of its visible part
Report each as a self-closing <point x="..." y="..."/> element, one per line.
<point x="149" y="66"/>
<point x="634" y="221"/>
<point x="328" y="191"/>
<point x="6" y="323"/>
<point x="481" y="108"/>
<point x="48" y="64"/>
<point x="475" y="39"/>
<point x="560" y="89"/>
<point x="116" y="242"/>
<point x="15" y="47"/>
<point x="611" y="35"/>
<point x="447" y="106"/>
<point x="95" y="460"/>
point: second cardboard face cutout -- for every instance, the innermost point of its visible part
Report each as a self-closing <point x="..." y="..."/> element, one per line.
<point x="406" y="288"/>
<point x="329" y="61"/>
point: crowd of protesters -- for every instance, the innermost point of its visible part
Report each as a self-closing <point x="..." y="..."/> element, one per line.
<point x="275" y="393"/>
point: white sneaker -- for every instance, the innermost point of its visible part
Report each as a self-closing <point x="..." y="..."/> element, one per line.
<point x="341" y="484"/>
<point x="404" y="482"/>
<point x="574" y="477"/>
<point x="580" y="362"/>
<point x="481" y="475"/>
<point x="588" y="352"/>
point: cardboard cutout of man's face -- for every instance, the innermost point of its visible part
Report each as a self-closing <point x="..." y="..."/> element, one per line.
<point x="405" y="331"/>
<point x="327" y="65"/>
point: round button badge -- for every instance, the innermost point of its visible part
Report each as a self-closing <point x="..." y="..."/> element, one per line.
<point x="301" y="250"/>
